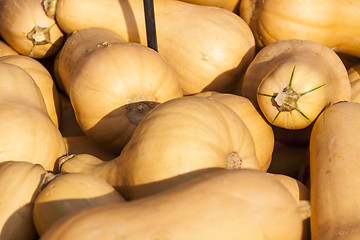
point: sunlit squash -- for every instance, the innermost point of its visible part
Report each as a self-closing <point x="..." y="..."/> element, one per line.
<point x="208" y="47"/>
<point x="231" y="5"/>
<point x="291" y="81"/>
<point x="20" y="183"/>
<point x="27" y="132"/>
<point x="354" y="77"/>
<point x="69" y="193"/>
<point x="25" y="26"/>
<point x="112" y="84"/>
<point x="176" y="141"/>
<point x="240" y="204"/>
<point x="43" y="79"/>
<point x="260" y="130"/>
<point x="5" y="49"/>
<point x="300" y="192"/>
<point x="334" y="168"/>
<point x="333" y="24"/>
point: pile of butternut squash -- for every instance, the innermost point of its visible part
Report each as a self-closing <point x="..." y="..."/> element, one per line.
<point x="244" y="123"/>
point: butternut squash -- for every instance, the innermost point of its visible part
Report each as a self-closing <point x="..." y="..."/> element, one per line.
<point x="300" y="192"/>
<point x="176" y="141"/>
<point x="112" y="84"/>
<point x="82" y="144"/>
<point x="231" y="5"/>
<point x="334" y="168"/>
<point x="5" y="49"/>
<point x="240" y="204"/>
<point x="333" y="24"/>
<point x="43" y="79"/>
<point x="208" y="47"/>
<point x="20" y="183"/>
<point x="354" y="77"/>
<point x="260" y="130"/>
<point x="27" y="132"/>
<point x="65" y="194"/>
<point x="25" y="26"/>
<point x="291" y="81"/>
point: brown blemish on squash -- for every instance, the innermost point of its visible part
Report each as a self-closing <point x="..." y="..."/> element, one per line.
<point x="39" y="35"/>
<point x="135" y="112"/>
<point x="233" y="161"/>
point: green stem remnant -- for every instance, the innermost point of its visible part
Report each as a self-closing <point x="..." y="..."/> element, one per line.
<point x="286" y="101"/>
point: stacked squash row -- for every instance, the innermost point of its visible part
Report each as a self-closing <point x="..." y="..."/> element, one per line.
<point x="212" y="137"/>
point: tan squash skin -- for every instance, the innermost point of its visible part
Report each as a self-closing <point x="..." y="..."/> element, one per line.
<point x="208" y="47"/>
<point x="315" y="20"/>
<point x="176" y="141"/>
<point x="240" y="204"/>
<point x="43" y="79"/>
<point x="20" y="183"/>
<point x="69" y="193"/>
<point x="315" y="74"/>
<point x="18" y="18"/>
<point x="354" y="77"/>
<point x="334" y="168"/>
<point x="300" y="192"/>
<point x="231" y="5"/>
<point x="26" y="130"/>
<point x="260" y="130"/>
<point x="109" y="99"/>
<point x="5" y="49"/>
<point x="83" y="144"/>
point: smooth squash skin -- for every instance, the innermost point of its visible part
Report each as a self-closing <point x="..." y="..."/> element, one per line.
<point x="231" y="5"/>
<point x="43" y="79"/>
<point x="354" y="77"/>
<point x="27" y="132"/>
<point x="291" y="81"/>
<point x="177" y="140"/>
<point x="5" y="49"/>
<point x="241" y="204"/>
<point x="334" y="168"/>
<point x="25" y="26"/>
<point x="316" y="20"/>
<point x="112" y="84"/>
<point x="260" y="130"/>
<point x="65" y="194"/>
<point x="300" y="192"/>
<point x="20" y="183"/>
<point x="84" y="145"/>
<point x="208" y="47"/>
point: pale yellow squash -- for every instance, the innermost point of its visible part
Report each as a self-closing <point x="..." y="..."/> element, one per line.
<point x="5" y="49"/>
<point x="260" y="130"/>
<point x="27" y="132"/>
<point x="20" y="183"/>
<point x="240" y="204"/>
<point x="334" y="169"/>
<point x="354" y="77"/>
<point x="25" y="26"/>
<point x="112" y="84"/>
<point x="291" y="81"/>
<point x="176" y="141"/>
<point x="332" y="23"/>
<point x="43" y="79"/>
<point x="208" y="47"/>
<point x="65" y="194"/>
<point x="231" y="5"/>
